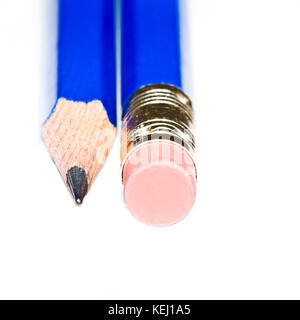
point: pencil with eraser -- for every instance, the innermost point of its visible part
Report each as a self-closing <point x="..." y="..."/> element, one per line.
<point x="157" y="143"/>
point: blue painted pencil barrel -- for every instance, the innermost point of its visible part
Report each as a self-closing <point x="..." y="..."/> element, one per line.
<point x="86" y="53"/>
<point x="150" y="45"/>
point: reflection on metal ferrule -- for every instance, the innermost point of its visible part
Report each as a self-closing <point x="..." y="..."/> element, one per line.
<point x="158" y="112"/>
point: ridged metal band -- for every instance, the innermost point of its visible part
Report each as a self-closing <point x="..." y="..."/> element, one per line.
<point x="158" y="112"/>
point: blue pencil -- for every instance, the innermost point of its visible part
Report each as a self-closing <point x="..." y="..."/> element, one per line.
<point x="159" y="173"/>
<point x="151" y="51"/>
<point x="80" y="129"/>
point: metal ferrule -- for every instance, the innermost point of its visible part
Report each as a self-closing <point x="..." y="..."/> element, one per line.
<point x="158" y="112"/>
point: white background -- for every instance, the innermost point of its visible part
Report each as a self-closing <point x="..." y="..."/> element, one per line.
<point x="242" y="237"/>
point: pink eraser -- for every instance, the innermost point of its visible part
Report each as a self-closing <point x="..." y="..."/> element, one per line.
<point x="159" y="180"/>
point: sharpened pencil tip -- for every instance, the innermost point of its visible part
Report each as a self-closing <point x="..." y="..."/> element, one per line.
<point x="78" y="183"/>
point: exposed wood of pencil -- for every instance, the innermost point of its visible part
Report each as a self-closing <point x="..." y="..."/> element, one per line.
<point x="79" y="135"/>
